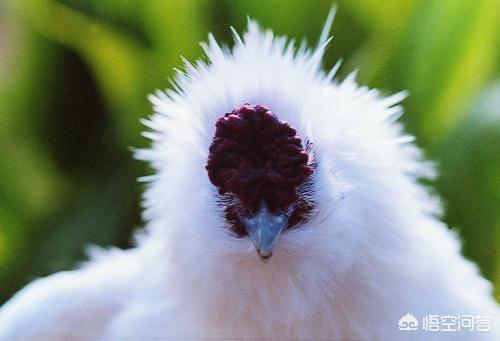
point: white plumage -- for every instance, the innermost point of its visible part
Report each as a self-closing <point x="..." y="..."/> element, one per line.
<point x="372" y="251"/>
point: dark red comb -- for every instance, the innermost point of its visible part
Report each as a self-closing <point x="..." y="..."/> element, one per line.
<point x="257" y="157"/>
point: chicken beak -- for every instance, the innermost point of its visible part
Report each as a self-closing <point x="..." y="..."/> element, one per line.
<point x="264" y="229"/>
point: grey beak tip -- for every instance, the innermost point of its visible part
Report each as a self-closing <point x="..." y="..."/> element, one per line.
<point x="264" y="256"/>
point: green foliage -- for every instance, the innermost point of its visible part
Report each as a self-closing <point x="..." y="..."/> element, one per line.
<point x="75" y="75"/>
<point x="470" y="168"/>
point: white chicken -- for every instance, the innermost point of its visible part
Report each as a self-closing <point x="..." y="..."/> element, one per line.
<point x="285" y="205"/>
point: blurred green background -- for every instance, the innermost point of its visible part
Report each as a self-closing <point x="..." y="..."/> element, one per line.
<point x="74" y="76"/>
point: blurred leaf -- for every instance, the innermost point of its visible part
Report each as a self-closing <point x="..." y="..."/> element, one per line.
<point x="380" y="15"/>
<point x="386" y="21"/>
<point x="5" y="247"/>
<point x="98" y="216"/>
<point x="125" y="16"/>
<point x="35" y="193"/>
<point x="472" y="67"/>
<point x="175" y="28"/>
<point x="496" y="277"/>
<point x="30" y="185"/>
<point x="28" y="175"/>
<point x="13" y="243"/>
<point x="449" y="52"/>
<point x="470" y="180"/>
<point x="283" y="18"/>
<point x="119" y="63"/>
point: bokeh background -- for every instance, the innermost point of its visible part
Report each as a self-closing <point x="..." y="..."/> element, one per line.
<point x="74" y="75"/>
